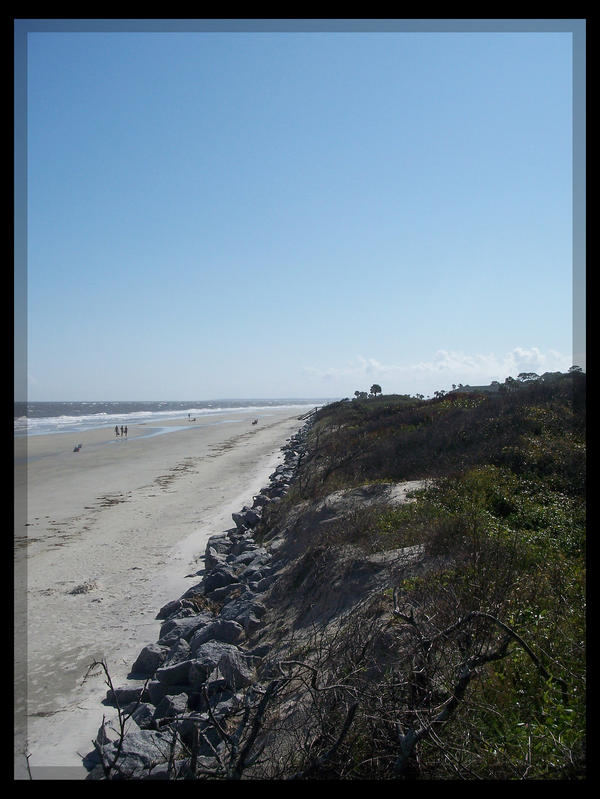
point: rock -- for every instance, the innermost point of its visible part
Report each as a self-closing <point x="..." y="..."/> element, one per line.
<point x="226" y="703"/>
<point x="236" y="669"/>
<point x="124" y="695"/>
<point x="178" y="652"/>
<point x="246" y="518"/>
<point x="168" y="609"/>
<point x="143" y="716"/>
<point x="107" y="733"/>
<point x="242" y="545"/>
<point x="220" y="542"/>
<point x="219" y="577"/>
<point x="244" y="559"/>
<point x="217" y="548"/>
<point x="149" y="659"/>
<point x="260" y="562"/>
<point x="215" y="685"/>
<point x="171" y="706"/>
<point x="250" y="622"/>
<point x="180" y="608"/>
<point x="177" y="674"/>
<point x="260" y="500"/>
<point x="228" y="631"/>
<point x="193" y="591"/>
<point x="263" y="584"/>
<point x="212" y="558"/>
<point x="157" y="690"/>
<point x="206" y="659"/>
<point x="239" y="521"/>
<point x="185" y="627"/>
<point x="185" y="726"/>
<point x="171" y="638"/>
<point x="220" y="594"/>
<point x="141" y="750"/>
<point x="247" y="603"/>
<point x="252" y="516"/>
<point x="252" y="576"/>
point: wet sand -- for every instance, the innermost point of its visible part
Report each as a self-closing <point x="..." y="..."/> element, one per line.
<point x="103" y="538"/>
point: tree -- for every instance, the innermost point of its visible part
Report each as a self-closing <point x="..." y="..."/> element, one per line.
<point x="510" y="384"/>
<point x="375" y="389"/>
<point x="526" y="377"/>
<point x="573" y="369"/>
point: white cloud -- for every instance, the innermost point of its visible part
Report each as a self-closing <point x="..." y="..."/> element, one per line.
<point x="445" y="368"/>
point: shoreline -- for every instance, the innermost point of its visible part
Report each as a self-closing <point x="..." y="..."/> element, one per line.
<point x="112" y="533"/>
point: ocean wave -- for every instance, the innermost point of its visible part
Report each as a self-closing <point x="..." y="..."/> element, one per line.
<point x="65" y="422"/>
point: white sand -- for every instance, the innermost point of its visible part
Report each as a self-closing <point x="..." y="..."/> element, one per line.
<point x="126" y="519"/>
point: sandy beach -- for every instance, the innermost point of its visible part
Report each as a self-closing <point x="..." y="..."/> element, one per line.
<point x="103" y="538"/>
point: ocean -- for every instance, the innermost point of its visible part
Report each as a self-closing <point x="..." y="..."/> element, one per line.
<point x="39" y="418"/>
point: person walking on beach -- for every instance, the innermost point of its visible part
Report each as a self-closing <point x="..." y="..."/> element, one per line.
<point x="116" y="431"/>
<point x="121" y="429"/>
<point x="125" y="431"/>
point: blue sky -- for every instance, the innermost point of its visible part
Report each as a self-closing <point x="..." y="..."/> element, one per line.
<point x="289" y="214"/>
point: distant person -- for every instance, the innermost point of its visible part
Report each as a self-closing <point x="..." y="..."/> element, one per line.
<point x="121" y="429"/>
<point x="116" y="430"/>
<point x="125" y="431"/>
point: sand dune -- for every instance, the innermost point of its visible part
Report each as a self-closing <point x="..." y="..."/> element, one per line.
<point x="104" y="537"/>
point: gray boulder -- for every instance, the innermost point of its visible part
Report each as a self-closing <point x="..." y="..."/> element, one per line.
<point x="206" y="659"/>
<point x="239" y="521"/>
<point x="212" y="558"/>
<point x="185" y="726"/>
<point x="217" y="549"/>
<point x="125" y="695"/>
<point x="143" y="716"/>
<point x="237" y="670"/>
<point x="260" y="500"/>
<point x="251" y="623"/>
<point x="252" y="516"/>
<point x="244" y="559"/>
<point x="141" y="750"/>
<point x="176" y="674"/>
<point x="220" y="576"/>
<point x="107" y="733"/>
<point x="245" y="543"/>
<point x="186" y="627"/>
<point x="158" y="690"/>
<point x="228" y="631"/>
<point x="263" y="584"/>
<point x="178" y="652"/>
<point x="225" y="703"/>
<point x="247" y="603"/>
<point x="193" y="591"/>
<point x="219" y="594"/>
<point x="150" y="658"/>
<point x="168" y="609"/>
<point x="171" y="706"/>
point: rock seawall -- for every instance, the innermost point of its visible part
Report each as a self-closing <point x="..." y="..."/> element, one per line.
<point x="205" y="664"/>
